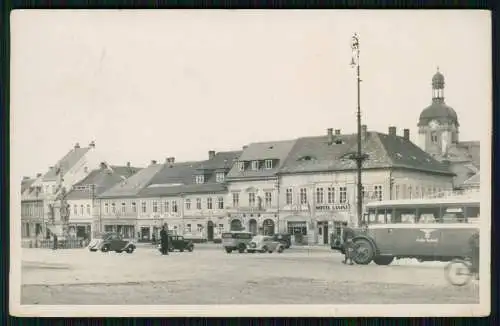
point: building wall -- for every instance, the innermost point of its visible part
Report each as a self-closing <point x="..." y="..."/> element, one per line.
<point x="208" y="217"/>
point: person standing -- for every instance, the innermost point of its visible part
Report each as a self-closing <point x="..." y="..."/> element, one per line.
<point x="347" y="236"/>
<point x="164" y="240"/>
<point x="54" y="237"/>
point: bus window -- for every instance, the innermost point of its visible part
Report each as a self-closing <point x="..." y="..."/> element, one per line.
<point x="404" y="215"/>
<point x="381" y="217"/>
<point x="428" y="215"/>
<point x="453" y="215"/>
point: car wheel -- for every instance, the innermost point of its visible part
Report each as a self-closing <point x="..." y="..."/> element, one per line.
<point x="241" y="248"/>
<point x="190" y="249"/>
<point x="130" y="250"/>
<point x="270" y="251"/>
<point x="264" y="249"/>
<point x="181" y="250"/>
<point x="383" y="260"/>
<point x="280" y="250"/>
<point x="105" y="248"/>
<point x="364" y="252"/>
<point x="228" y="250"/>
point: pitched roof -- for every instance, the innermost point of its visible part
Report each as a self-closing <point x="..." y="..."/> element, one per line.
<point x="26" y="183"/>
<point x="473" y="150"/>
<point x="103" y="179"/>
<point x="133" y="185"/>
<point x="314" y="154"/>
<point x="221" y="161"/>
<point x="66" y="163"/>
<point x="475" y="180"/>
<point x="275" y="150"/>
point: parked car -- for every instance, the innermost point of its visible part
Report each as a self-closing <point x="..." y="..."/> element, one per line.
<point x="178" y="242"/>
<point x="263" y="243"/>
<point x="284" y="238"/>
<point x="236" y="240"/>
<point x="111" y="241"/>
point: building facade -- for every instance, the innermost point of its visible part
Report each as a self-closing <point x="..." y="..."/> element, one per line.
<point x="32" y="207"/>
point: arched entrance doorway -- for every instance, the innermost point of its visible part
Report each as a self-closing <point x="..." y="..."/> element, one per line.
<point x="252" y="226"/>
<point x="210" y="231"/>
<point x="236" y="225"/>
<point x="268" y="227"/>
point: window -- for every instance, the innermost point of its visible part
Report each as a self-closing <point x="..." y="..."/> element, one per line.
<point x="166" y="206"/>
<point x="241" y="166"/>
<point x="220" y="202"/>
<point x="251" y="199"/>
<point x="75" y="209"/>
<point x="378" y="192"/>
<point x="289" y="196"/>
<point x="423" y="192"/>
<point x="434" y="137"/>
<point x="220" y="228"/>
<point x="219" y="177"/>
<point x="134" y="208"/>
<point x="174" y="206"/>
<point x="81" y="209"/>
<point x="331" y="195"/>
<point x="319" y="195"/>
<point x="410" y="192"/>
<point x="106" y="208"/>
<point x="124" y="208"/>
<point x="303" y="196"/>
<point x="268" y="199"/>
<point x="255" y="165"/>
<point x="417" y="192"/>
<point x="200" y="179"/>
<point x="199" y="228"/>
<point x="113" y="208"/>
<point x="143" y="206"/>
<point x="268" y="164"/>
<point x="198" y="203"/>
<point x="236" y="199"/>
<point x="155" y="206"/>
<point x="188" y="204"/>
<point x="188" y="228"/>
<point x="209" y="203"/>
<point x="396" y="192"/>
<point x="88" y="209"/>
<point x="343" y="195"/>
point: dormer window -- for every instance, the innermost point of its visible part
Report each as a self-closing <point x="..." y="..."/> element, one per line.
<point x="434" y="137"/>
<point x="200" y="179"/>
<point x="219" y="177"/>
<point x="255" y="165"/>
<point x="269" y="164"/>
<point x="241" y="166"/>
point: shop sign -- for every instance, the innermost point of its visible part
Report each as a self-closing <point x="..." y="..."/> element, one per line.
<point x="333" y="207"/>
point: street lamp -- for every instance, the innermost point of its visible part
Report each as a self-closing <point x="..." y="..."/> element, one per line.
<point x="359" y="157"/>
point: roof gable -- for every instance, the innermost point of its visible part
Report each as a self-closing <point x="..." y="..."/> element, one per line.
<point x="66" y="163"/>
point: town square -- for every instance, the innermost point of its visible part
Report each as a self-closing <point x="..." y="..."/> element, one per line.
<point x="250" y="158"/>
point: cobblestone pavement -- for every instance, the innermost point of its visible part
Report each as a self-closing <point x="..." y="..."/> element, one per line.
<point x="210" y="276"/>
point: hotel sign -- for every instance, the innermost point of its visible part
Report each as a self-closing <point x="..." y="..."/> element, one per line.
<point x="334" y="207"/>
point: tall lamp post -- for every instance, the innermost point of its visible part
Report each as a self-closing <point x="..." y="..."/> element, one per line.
<point x="359" y="157"/>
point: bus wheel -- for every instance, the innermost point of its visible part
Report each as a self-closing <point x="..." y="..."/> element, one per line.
<point x="363" y="252"/>
<point x="383" y="260"/>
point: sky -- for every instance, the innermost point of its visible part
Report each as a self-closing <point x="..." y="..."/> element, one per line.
<point x="146" y="85"/>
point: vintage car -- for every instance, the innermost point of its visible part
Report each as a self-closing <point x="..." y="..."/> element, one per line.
<point x="284" y="238"/>
<point x="263" y="243"/>
<point x="111" y="241"/>
<point x="178" y="242"/>
<point x="236" y="240"/>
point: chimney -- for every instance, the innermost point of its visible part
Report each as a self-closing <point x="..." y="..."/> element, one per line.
<point x="392" y="131"/>
<point x="337" y="132"/>
<point x="38" y="175"/>
<point x="26" y="178"/>
<point x="153" y="162"/>
<point x="128" y="164"/>
<point x="77" y="145"/>
<point x="211" y="154"/>
<point x="172" y="160"/>
<point x="329" y="133"/>
<point x="51" y="168"/>
<point x="103" y="165"/>
<point x="364" y="131"/>
<point x="406" y="134"/>
<point x="245" y="147"/>
<point x="92" y="144"/>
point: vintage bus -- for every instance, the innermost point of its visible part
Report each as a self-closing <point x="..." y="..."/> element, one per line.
<point x="436" y="229"/>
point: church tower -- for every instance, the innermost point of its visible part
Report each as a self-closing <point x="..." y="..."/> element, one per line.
<point x="438" y="123"/>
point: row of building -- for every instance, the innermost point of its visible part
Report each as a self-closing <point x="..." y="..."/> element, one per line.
<point x="302" y="186"/>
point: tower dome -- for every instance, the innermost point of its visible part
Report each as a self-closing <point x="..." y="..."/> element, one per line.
<point x="438" y="110"/>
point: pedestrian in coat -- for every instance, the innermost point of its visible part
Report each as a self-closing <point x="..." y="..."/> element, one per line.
<point x="55" y="242"/>
<point x="349" y="248"/>
<point x="164" y="240"/>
